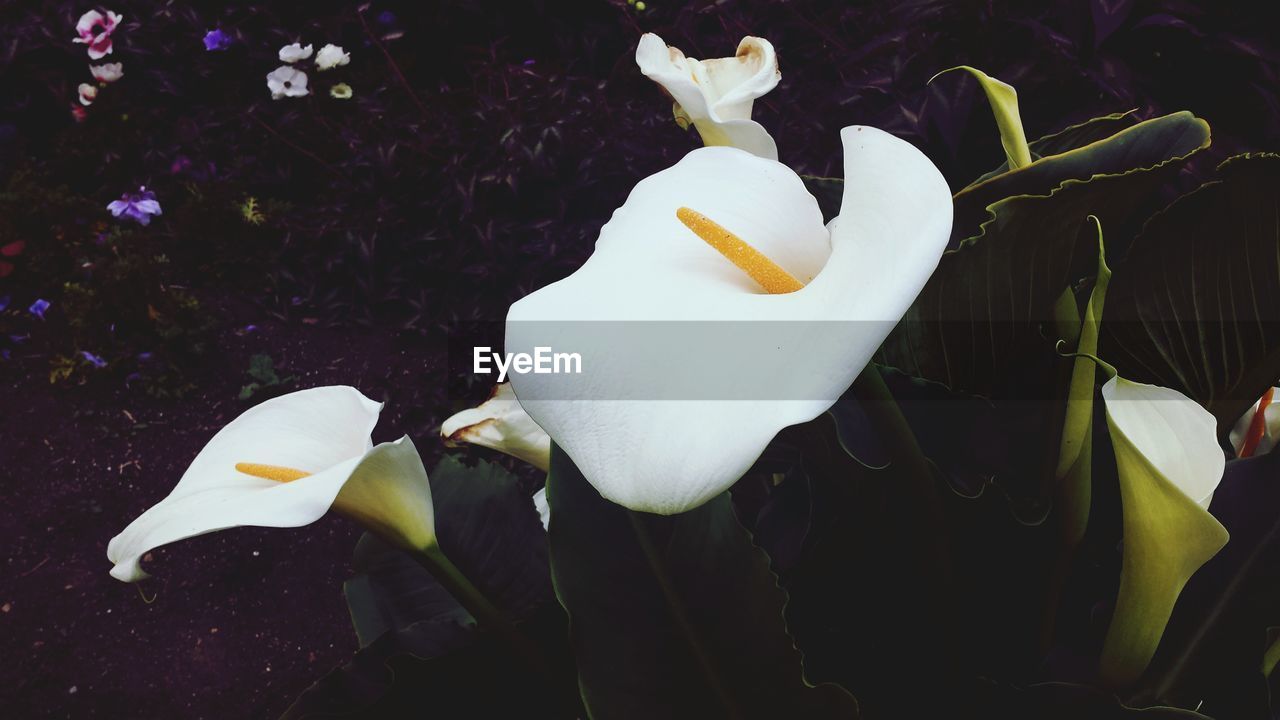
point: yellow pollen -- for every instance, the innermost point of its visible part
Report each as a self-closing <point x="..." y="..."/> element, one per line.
<point x="769" y="274"/>
<point x="271" y="472"/>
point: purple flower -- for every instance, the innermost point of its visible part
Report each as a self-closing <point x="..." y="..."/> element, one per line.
<point x="216" y="40"/>
<point x="386" y="17"/>
<point x="4" y="303"/>
<point x="39" y="307"/>
<point x="95" y="360"/>
<point x="139" y="206"/>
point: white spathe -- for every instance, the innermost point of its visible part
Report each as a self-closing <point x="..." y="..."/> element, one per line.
<point x="717" y="94"/>
<point x="324" y="431"/>
<point x="499" y="423"/>
<point x="666" y="413"/>
<point x="1172" y="432"/>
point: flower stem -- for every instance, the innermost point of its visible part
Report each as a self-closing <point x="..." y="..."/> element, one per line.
<point x="486" y="614"/>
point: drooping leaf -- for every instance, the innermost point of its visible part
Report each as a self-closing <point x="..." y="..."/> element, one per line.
<point x="1064" y="701"/>
<point x="1004" y="106"/>
<point x="674" y="617"/>
<point x="1196" y="304"/>
<point x="978" y="314"/>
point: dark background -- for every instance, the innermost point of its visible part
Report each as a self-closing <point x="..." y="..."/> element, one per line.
<point x="485" y="145"/>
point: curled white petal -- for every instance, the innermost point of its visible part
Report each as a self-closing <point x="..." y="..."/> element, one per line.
<point x="668" y="413"/>
<point x="88" y="93"/>
<point x="1171" y="431"/>
<point x="717" y="94"/>
<point x="499" y="423"/>
<point x="295" y="52"/>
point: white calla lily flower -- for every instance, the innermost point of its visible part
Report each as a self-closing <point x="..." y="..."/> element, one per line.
<point x="666" y="413"/>
<point x="499" y="423"/>
<point x="1256" y="431"/>
<point x="717" y="95"/>
<point x="332" y="56"/>
<point x="1169" y="464"/>
<point x="285" y="463"/>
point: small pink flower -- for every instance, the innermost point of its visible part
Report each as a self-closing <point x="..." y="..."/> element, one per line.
<point x="94" y="29"/>
<point x="107" y="72"/>
<point x="88" y="93"/>
<point x="78" y="113"/>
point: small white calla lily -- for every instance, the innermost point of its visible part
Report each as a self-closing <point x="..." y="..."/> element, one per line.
<point x="666" y="413"/>
<point x="1169" y="465"/>
<point x="1256" y="431"/>
<point x="285" y="463"/>
<point x="499" y="423"/>
<point x="717" y="95"/>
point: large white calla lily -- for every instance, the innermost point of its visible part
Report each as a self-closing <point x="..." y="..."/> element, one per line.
<point x="285" y="463"/>
<point x="688" y="368"/>
<point x="499" y="423"/>
<point x="716" y="95"/>
<point x="1169" y="465"/>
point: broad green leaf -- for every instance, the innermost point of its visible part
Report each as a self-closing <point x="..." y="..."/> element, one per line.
<point x="977" y="316"/>
<point x="1071" y="138"/>
<point x="674" y="617"/>
<point x="1145" y="145"/>
<point x="1167" y="535"/>
<point x="1196" y="304"/>
<point x="1004" y="105"/>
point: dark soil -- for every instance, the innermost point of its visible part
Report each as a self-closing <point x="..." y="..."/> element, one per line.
<point x="233" y="624"/>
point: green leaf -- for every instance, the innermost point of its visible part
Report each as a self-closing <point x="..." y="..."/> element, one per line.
<point x="1070" y="138"/>
<point x="977" y="316"/>
<point x="1004" y="105"/>
<point x="1196" y="304"/>
<point x="674" y="617"/>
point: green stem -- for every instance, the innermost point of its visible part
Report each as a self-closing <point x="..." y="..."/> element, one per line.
<point x="487" y="616"/>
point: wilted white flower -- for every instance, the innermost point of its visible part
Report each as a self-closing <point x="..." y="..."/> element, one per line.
<point x="341" y="91"/>
<point x="295" y="52"/>
<point x="331" y="56"/>
<point x="285" y="81"/>
<point x="107" y="72"/>
<point x="88" y="93"/>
